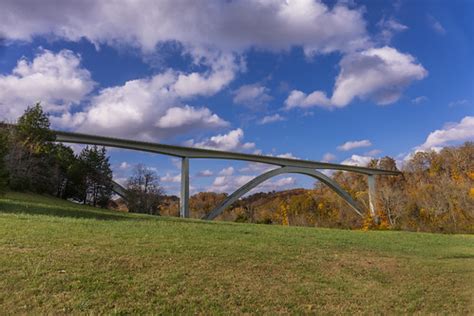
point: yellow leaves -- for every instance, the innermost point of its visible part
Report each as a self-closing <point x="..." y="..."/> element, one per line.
<point x="284" y="214"/>
<point x="471" y="192"/>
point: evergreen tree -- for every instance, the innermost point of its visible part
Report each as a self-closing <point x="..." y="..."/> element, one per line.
<point x="97" y="182"/>
<point x="64" y="161"/>
<point x="33" y="130"/>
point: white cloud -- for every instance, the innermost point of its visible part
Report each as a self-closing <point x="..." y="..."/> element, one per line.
<point x="187" y="116"/>
<point x="357" y="160"/>
<point x="223" y="71"/>
<point x="231" y="141"/>
<point x="373" y="152"/>
<point x="231" y="183"/>
<point x="354" y="144"/>
<point x="328" y="157"/>
<point x="57" y="80"/>
<point x="420" y="99"/>
<point x="388" y="28"/>
<point x="252" y="95"/>
<point x="271" y="119"/>
<point x="436" y="25"/>
<point x="459" y="102"/>
<point x="227" y="25"/>
<point x="255" y="167"/>
<point x="171" y="178"/>
<point x="379" y="74"/>
<point x="287" y="155"/>
<point x="302" y="100"/>
<point x="149" y="108"/>
<point x="227" y="171"/>
<point x="205" y="173"/>
<point x="451" y="134"/>
<point x="124" y="166"/>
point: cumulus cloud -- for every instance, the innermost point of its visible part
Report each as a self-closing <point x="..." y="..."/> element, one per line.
<point x="223" y="70"/>
<point x="271" y="119"/>
<point x="255" y="167"/>
<point x="378" y="74"/>
<point x="227" y="171"/>
<point x="170" y="178"/>
<point x="451" y="134"/>
<point x="373" y="152"/>
<point x="231" y="183"/>
<point x="187" y="115"/>
<point x="354" y="144"/>
<point x="148" y="108"/>
<point x="302" y="100"/>
<point x="357" y="160"/>
<point x="252" y="95"/>
<point x="232" y="141"/>
<point x="419" y="100"/>
<point x="328" y="157"/>
<point x="228" y="25"/>
<point x="205" y="173"/>
<point x="57" y="80"/>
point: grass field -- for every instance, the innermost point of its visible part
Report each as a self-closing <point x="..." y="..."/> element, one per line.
<point x="58" y="257"/>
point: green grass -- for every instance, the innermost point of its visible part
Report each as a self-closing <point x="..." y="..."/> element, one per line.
<point x="59" y="257"/>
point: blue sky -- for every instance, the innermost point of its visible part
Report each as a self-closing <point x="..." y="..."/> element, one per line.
<point x="339" y="81"/>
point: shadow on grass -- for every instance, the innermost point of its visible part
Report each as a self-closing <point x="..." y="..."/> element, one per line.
<point x="17" y="207"/>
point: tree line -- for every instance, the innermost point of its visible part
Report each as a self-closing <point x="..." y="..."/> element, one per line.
<point x="435" y="192"/>
<point x="31" y="161"/>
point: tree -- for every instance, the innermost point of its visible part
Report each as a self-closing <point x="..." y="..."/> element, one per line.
<point x="65" y="160"/>
<point x="3" y="153"/>
<point x="203" y="203"/>
<point x="29" y="159"/>
<point x="144" y="192"/>
<point x="95" y="185"/>
<point x="33" y="129"/>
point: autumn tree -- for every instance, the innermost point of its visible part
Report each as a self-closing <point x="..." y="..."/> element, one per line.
<point x="203" y="203"/>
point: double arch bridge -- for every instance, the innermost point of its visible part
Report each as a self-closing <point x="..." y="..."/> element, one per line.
<point x="286" y="165"/>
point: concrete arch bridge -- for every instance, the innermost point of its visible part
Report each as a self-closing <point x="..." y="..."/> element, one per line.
<point x="286" y="165"/>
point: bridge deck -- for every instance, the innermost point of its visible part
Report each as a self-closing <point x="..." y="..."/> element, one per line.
<point x="190" y="152"/>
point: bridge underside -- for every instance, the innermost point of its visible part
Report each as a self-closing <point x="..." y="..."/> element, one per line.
<point x="184" y="196"/>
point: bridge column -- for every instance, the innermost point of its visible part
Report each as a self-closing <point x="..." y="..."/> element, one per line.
<point x="372" y="196"/>
<point x="184" y="198"/>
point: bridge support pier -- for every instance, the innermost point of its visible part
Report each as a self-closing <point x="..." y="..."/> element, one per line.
<point x="372" y="196"/>
<point x="184" y="197"/>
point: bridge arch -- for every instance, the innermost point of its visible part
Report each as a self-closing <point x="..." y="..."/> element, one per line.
<point x="279" y="171"/>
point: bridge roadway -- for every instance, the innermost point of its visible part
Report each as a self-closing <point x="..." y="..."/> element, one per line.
<point x="287" y="165"/>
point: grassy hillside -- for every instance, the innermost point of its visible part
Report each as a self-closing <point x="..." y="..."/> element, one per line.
<point x="58" y="257"/>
